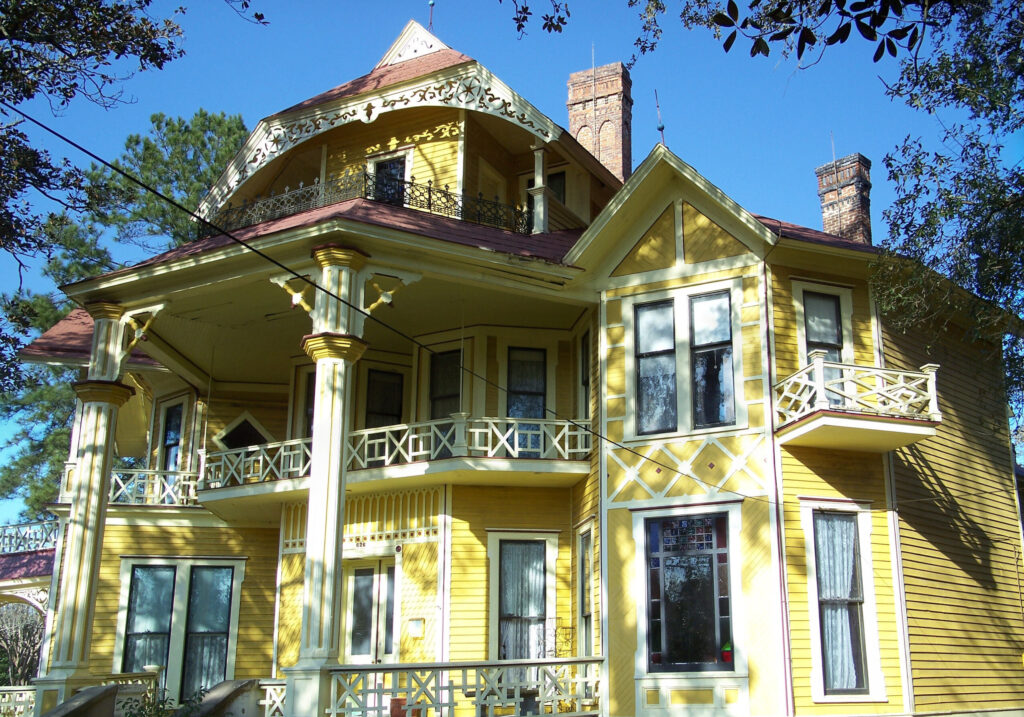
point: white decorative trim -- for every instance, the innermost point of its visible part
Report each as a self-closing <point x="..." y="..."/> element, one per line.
<point x="588" y="526"/>
<point x="470" y="87"/>
<point x="243" y="416"/>
<point x="414" y="41"/>
<point x="869" y="610"/>
<point x="494" y="538"/>
<point x="182" y="574"/>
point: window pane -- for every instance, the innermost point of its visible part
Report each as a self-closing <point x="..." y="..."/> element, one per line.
<point x="840" y="597"/>
<point x="689" y="607"/>
<point x="389" y="611"/>
<point x="654" y="328"/>
<point x="383" y="398"/>
<point x="713" y="400"/>
<point x="821" y="319"/>
<point x="445" y="381"/>
<point x="522" y="599"/>
<point x="388" y="180"/>
<point x="148" y="627"/>
<point x="209" y="618"/>
<point x="310" y="405"/>
<point x="656" y="394"/>
<point x="172" y="436"/>
<point x="362" y="611"/>
<point x="526" y="370"/>
<point x="711" y="321"/>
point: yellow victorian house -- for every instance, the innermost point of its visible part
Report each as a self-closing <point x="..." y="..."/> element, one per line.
<point x="444" y="416"/>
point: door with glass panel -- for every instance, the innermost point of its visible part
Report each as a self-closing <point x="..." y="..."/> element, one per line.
<point x="370" y="611"/>
<point x="823" y="331"/>
<point x="522" y="600"/>
<point x="445" y="399"/>
<point x="526" y="398"/>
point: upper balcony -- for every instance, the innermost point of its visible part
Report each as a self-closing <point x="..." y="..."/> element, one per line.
<point x="463" y="449"/>
<point x="362" y="184"/>
<point x="855" y="408"/>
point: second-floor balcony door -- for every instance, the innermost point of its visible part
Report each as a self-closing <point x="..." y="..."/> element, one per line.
<point x="527" y="393"/>
<point x="370" y="612"/>
<point x="824" y="331"/>
<point x="445" y="394"/>
<point x="389" y="181"/>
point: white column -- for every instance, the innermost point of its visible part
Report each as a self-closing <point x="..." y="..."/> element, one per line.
<point x="539" y="192"/>
<point x="335" y="347"/>
<point x="100" y="395"/>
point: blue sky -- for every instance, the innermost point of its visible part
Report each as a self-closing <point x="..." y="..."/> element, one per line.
<point x="756" y="128"/>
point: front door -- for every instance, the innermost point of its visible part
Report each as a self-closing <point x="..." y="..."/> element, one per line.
<point x="370" y="601"/>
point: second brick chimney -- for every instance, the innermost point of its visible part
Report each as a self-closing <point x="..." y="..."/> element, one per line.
<point x="844" y="187"/>
<point x="601" y="114"/>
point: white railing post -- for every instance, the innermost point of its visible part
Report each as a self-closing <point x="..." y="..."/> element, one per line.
<point x="460" y="439"/>
<point x="930" y="370"/>
<point x="817" y="358"/>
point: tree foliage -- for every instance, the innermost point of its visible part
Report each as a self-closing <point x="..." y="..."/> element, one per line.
<point x="959" y="208"/>
<point x="21" y="636"/>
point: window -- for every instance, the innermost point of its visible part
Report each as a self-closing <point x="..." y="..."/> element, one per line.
<point x="585" y="376"/>
<point x="522" y="596"/>
<point x="689" y="598"/>
<point x="242" y="432"/>
<point x="846" y="663"/>
<point x="383" y="398"/>
<point x="585" y="589"/>
<point x="823" y="331"/>
<point x="445" y="384"/>
<point x="526" y="396"/>
<point x="655" y="368"/>
<point x="169" y="450"/>
<point x="180" y="614"/>
<point x="370" y="600"/>
<point x="389" y="180"/>
<point x="685" y="357"/>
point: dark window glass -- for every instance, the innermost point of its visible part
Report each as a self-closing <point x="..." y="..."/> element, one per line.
<point x="445" y="382"/>
<point x="362" y="611"/>
<point x="824" y="331"/>
<point x="383" y="398"/>
<point x="207" y="627"/>
<point x="585" y="375"/>
<point x="711" y="356"/>
<point x="689" y="616"/>
<point x="389" y="181"/>
<point x="840" y="602"/>
<point x="656" y="410"/>
<point x="526" y="396"/>
<point x="310" y="404"/>
<point x="586" y="588"/>
<point x="148" y="627"/>
<point x="242" y="435"/>
<point x="171" y="440"/>
<point x="389" y="611"/>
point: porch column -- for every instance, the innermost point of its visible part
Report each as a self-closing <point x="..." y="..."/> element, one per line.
<point x="539" y="192"/>
<point x="101" y="395"/>
<point x="335" y="346"/>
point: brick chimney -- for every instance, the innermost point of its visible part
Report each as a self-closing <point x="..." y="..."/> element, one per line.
<point x="601" y="113"/>
<point x="844" y="187"/>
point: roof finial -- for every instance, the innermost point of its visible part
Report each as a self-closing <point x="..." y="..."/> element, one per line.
<point x="430" y="22"/>
<point x="661" y="125"/>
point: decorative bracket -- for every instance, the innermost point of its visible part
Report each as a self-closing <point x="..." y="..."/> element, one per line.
<point x="132" y="320"/>
<point x="297" y="289"/>
<point x="387" y="289"/>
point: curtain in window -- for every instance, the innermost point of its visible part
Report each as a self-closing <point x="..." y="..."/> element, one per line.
<point x="209" y="617"/>
<point x="527" y="392"/>
<point x="148" y="629"/>
<point x="713" y="399"/>
<point x="656" y="410"/>
<point x="839" y="596"/>
<point x="522" y="599"/>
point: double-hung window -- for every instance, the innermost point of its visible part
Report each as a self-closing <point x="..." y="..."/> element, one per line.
<point x="823" y="329"/>
<point x="684" y="363"/>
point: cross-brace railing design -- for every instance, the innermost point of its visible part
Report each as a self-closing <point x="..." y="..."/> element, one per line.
<point x="869" y="390"/>
<point x="26" y="537"/>
<point x="256" y="464"/>
<point x="149" y="487"/>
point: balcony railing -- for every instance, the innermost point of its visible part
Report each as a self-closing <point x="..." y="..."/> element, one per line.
<point x="273" y="698"/>
<point x="26" y="537"/>
<point x="464" y="436"/>
<point x="257" y="464"/>
<point x="149" y="487"/>
<point x="359" y="183"/>
<point x="567" y="687"/>
<point x="17" y="701"/>
<point x="867" y="390"/>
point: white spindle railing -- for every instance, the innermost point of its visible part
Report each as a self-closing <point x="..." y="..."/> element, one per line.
<point x="148" y="487"/>
<point x="567" y="687"/>
<point x="25" y="537"/>
<point x="464" y="436"/>
<point x="824" y="385"/>
<point x="273" y="698"/>
<point x="17" y="701"/>
<point x="257" y="464"/>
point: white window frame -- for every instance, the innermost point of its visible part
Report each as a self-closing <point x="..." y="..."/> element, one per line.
<point x="405" y="153"/>
<point x="738" y="627"/>
<point x="680" y="299"/>
<point x="588" y="527"/>
<point x="156" y="436"/>
<point x="179" y="619"/>
<point x="845" y="310"/>
<point x="550" y="349"/>
<point x="494" y="538"/>
<point x="869" y="610"/>
<point x="268" y="437"/>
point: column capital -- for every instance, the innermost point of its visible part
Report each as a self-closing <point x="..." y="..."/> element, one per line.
<point x="335" y="346"/>
<point x="96" y="391"/>
<point x="327" y="255"/>
<point x="105" y="310"/>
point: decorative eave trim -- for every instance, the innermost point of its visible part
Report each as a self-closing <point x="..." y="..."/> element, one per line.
<point x="470" y="87"/>
<point x="414" y="41"/>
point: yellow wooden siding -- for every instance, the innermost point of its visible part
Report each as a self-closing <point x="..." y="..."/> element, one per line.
<point x="762" y="614"/>
<point x="787" y="348"/>
<point x="481" y="145"/>
<point x="269" y="409"/>
<point x="959" y="534"/>
<point x="434" y="134"/>
<point x="826" y="474"/>
<point x="256" y="608"/>
<point x="419" y="600"/>
<point x="656" y="249"/>
<point x="289" y="626"/>
<point x="474" y="511"/>
<point x="622" y="553"/>
<point x="703" y="240"/>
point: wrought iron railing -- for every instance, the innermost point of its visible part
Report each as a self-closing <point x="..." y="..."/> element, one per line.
<point x="17" y="701"/>
<point x="461" y="435"/>
<point x="149" y="487"/>
<point x="824" y="385"/>
<point x="359" y="183"/>
<point x="567" y="687"/>
<point x="26" y="537"/>
<point x="256" y="464"/>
